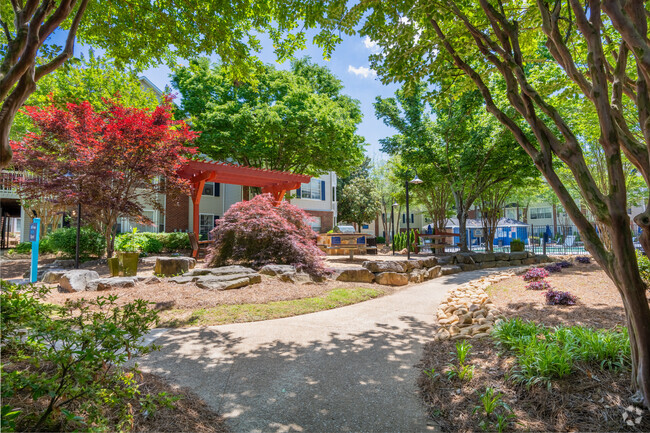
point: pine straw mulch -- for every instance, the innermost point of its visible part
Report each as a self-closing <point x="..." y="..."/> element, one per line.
<point x="188" y="414"/>
<point x="590" y="400"/>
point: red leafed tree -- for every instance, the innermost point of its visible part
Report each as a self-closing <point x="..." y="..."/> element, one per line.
<point x="262" y="231"/>
<point x="114" y="162"/>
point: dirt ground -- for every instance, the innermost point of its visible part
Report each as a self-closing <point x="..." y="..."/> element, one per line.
<point x="589" y="400"/>
<point x="599" y="304"/>
<point x="167" y="295"/>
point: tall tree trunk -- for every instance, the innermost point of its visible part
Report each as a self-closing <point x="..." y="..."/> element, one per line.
<point x="554" y="220"/>
<point x="461" y="214"/>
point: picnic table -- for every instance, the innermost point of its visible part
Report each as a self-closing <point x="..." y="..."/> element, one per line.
<point x="348" y="241"/>
<point x="434" y="241"/>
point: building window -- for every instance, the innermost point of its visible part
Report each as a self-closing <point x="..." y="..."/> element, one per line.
<point x="311" y="190"/>
<point x="333" y="193"/>
<point x="539" y="213"/>
<point x="211" y="189"/>
<point x="365" y="226"/>
<point x="315" y="224"/>
<point x="206" y="223"/>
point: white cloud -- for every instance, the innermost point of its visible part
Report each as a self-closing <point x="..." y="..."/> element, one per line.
<point x="370" y="44"/>
<point x="362" y="71"/>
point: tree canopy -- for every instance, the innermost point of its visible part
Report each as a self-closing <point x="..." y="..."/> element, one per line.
<point x="294" y="120"/>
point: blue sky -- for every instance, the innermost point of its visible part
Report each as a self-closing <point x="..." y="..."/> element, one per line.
<point x="349" y="62"/>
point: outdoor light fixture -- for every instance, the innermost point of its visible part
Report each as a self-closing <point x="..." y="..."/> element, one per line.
<point x="415" y="181"/>
<point x="392" y="225"/>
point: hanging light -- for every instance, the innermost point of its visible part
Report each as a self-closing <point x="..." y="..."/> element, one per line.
<point x="395" y="204"/>
<point x="416" y="180"/>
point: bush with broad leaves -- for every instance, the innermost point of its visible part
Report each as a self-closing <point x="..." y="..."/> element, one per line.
<point x="535" y="274"/>
<point x="262" y="231"/>
<point x="557" y="297"/>
<point x="553" y="267"/>
<point x="564" y="264"/>
<point x="538" y="285"/>
<point x="585" y="260"/>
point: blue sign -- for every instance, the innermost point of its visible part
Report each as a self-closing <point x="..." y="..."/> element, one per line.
<point x="33" y="232"/>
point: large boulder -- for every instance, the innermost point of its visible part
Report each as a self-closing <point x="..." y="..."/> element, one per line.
<point x="392" y="279"/>
<point x="226" y="281"/>
<point x="355" y="275"/>
<point x="418" y="275"/>
<point x="465" y="258"/>
<point x="501" y="263"/>
<point x="501" y="256"/>
<point x="519" y="255"/>
<point x="76" y="280"/>
<point x="409" y="265"/>
<point x="111" y="283"/>
<point x="469" y="266"/>
<point x="434" y="272"/>
<point x="449" y="269"/>
<point x="53" y="276"/>
<point x="59" y="263"/>
<point x="384" y="266"/>
<point x="169" y="266"/>
<point x="445" y="260"/>
<point x="277" y="269"/>
<point x="428" y="262"/>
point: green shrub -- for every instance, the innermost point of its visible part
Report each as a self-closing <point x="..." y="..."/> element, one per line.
<point x="68" y="360"/>
<point x="400" y="240"/>
<point x="544" y="354"/>
<point x="64" y="240"/>
<point x="516" y="245"/>
<point x="153" y="243"/>
<point x="44" y="247"/>
<point x="381" y="240"/>
<point x="644" y="266"/>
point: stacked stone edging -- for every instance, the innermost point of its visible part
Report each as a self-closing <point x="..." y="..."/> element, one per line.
<point x="468" y="311"/>
<point x="400" y="273"/>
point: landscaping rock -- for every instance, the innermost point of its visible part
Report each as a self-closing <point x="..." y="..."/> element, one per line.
<point x="355" y="275"/>
<point x="222" y="270"/>
<point x="169" y="266"/>
<point x="529" y="261"/>
<point x="501" y="263"/>
<point x="501" y="256"/>
<point x="409" y="265"/>
<point x="384" y="266"/>
<point x="445" y="260"/>
<point x="434" y="272"/>
<point x="181" y="280"/>
<point x="76" y="280"/>
<point x="469" y="267"/>
<point x="53" y="277"/>
<point x="63" y="263"/>
<point x="151" y="280"/>
<point x="110" y="283"/>
<point x="519" y="255"/>
<point x="449" y="269"/>
<point x="465" y="258"/>
<point x="515" y="262"/>
<point x="428" y="262"/>
<point x="277" y="269"/>
<point x="392" y="279"/>
<point x="418" y="275"/>
<point x="224" y="285"/>
<point x="296" y="278"/>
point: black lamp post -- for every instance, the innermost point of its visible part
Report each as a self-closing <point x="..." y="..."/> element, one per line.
<point x="415" y="181"/>
<point x="76" y="252"/>
<point x="392" y="225"/>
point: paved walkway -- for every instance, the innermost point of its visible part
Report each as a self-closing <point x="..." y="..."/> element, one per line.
<point x="348" y="369"/>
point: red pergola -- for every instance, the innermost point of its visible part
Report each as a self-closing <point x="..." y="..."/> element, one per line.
<point x="271" y="181"/>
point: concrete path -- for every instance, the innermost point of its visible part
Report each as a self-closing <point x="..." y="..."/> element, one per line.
<point x="348" y="369"/>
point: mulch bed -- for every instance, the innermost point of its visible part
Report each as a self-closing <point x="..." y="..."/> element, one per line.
<point x="589" y="400"/>
<point x="188" y="414"/>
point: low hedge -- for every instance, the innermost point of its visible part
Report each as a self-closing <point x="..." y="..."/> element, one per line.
<point x="154" y="243"/>
<point x="91" y="243"/>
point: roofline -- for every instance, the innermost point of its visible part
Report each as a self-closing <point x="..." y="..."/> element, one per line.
<point x="152" y="85"/>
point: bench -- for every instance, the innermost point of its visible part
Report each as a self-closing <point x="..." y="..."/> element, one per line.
<point x="337" y="245"/>
<point x="198" y="247"/>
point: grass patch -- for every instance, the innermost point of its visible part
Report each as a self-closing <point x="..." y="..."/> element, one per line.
<point x="544" y="354"/>
<point x="238" y="313"/>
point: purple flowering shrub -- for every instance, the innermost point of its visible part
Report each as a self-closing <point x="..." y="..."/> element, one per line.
<point x="535" y="274"/>
<point x="260" y="231"/>
<point x="583" y="259"/>
<point x="564" y="264"/>
<point x="553" y="267"/>
<point x="538" y="285"/>
<point x="557" y="297"/>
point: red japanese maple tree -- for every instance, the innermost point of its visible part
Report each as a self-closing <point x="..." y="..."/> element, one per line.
<point x="115" y="162"/>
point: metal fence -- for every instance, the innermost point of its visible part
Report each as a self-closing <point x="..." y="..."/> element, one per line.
<point x="539" y="239"/>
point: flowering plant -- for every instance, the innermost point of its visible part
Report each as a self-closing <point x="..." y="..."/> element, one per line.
<point x="556" y="297"/>
<point x="535" y="274"/>
<point x="553" y="267"/>
<point x="538" y="285"/>
<point x="262" y="231"/>
<point x="564" y="264"/>
<point x="583" y="259"/>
